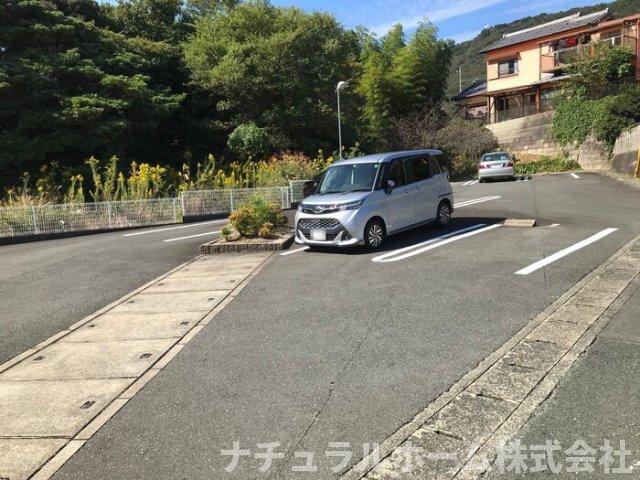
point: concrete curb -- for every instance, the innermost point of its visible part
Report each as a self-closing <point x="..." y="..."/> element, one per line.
<point x="266" y="245"/>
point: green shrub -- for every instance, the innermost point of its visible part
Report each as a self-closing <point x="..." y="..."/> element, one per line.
<point x="249" y="140"/>
<point x="546" y="165"/>
<point x="606" y="118"/>
<point x="256" y="216"/>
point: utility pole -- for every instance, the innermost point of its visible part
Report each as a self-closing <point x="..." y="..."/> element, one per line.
<point x="341" y="86"/>
<point x="460" y="78"/>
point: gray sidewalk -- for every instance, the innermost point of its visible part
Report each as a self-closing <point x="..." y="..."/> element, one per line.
<point x="598" y="400"/>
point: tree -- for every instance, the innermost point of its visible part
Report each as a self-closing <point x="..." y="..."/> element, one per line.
<point x="249" y="141"/>
<point x="158" y="20"/>
<point x="277" y="67"/>
<point x="420" y="71"/>
<point x="374" y="88"/>
<point x="392" y="43"/>
<point x="71" y="88"/>
<point x="595" y="67"/>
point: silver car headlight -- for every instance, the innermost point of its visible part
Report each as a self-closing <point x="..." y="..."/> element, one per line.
<point x="350" y="206"/>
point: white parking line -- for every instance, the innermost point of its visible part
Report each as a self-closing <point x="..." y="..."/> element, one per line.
<point x="190" y="236"/>
<point x="575" y="176"/>
<point x="475" y="200"/>
<point x="563" y="253"/>
<point x="417" y="251"/>
<point x="159" y="230"/>
<point x="301" y="249"/>
<point x="382" y="258"/>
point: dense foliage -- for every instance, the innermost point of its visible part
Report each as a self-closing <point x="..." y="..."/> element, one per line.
<point x="466" y="54"/>
<point x="395" y="84"/>
<point x="601" y="97"/>
<point x="546" y="164"/>
<point x="257" y="217"/>
<point x="162" y="83"/>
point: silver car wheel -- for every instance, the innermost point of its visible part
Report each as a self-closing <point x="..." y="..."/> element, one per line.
<point x="444" y="214"/>
<point x="375" y="235"/>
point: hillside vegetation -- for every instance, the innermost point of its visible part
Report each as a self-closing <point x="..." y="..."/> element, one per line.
<point x="466" y="54"/>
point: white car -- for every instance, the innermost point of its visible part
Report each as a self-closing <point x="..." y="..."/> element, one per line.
<point x="496" y="165"/>
<point x="363" y="200"/>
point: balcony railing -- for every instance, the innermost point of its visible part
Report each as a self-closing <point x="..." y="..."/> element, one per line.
<point x="561" y="58"/>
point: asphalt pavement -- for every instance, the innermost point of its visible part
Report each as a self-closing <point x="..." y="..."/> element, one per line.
<point x="346" y="346"/>
<point x="47" y="286"/>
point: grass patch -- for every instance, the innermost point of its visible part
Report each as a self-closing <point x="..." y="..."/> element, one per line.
<point x="547" y="165"/>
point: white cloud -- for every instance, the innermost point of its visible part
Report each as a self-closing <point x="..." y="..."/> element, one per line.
<point x="464" y="36"/>
<point x="415" y="11"/>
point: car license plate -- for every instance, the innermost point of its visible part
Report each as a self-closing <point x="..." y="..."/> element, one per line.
<point x="319" y="235"/>
<point x="496" y="166"/>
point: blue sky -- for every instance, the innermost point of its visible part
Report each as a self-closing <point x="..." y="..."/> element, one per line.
<point x="457" y="19"/>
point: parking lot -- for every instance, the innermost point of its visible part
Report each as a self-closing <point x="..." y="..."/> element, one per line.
<point x="347" y="345"/>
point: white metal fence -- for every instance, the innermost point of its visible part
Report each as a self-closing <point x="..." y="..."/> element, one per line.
<point x="73" y="217"/>
<point x="222" y="201"/>
<point x="296" y="187"/>
<point x="45" y="219"/>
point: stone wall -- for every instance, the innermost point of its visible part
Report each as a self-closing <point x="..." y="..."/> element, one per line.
<point x="625" y="158"/>
<point x="529" y="138"/>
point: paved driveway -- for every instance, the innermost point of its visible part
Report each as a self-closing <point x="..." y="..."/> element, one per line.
<point x="341" y="346"/>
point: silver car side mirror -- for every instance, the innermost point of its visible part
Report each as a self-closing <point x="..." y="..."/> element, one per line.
<point x="390" y="186"/>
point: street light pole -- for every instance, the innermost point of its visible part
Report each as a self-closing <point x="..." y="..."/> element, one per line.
<point x="339" y="87"/>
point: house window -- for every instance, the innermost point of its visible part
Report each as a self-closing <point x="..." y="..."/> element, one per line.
<point x="614" y="38"/>
<point x="507" y="67"/>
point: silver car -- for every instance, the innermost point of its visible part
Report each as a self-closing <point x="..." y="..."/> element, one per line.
<point x="496" y="165"/>
<point x="363" y="200"/>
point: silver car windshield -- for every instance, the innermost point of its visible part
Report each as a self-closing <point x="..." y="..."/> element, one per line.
<point x="355" y="177"/>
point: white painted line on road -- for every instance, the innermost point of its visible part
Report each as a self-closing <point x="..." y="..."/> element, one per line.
<point x="575" y="176"/>
<point x="159" y="230"/>
<point x="473" y="182"/>
<point x="302" y="249"/>
<point x="563" y="253"/>
<point x="475" y="200"/>
<point x="190" y="236"/>
<point x="381" y="258"/>
<point x="554" y="225"/>
<point x="418" y="251"/>
<point x="467" y="183"/>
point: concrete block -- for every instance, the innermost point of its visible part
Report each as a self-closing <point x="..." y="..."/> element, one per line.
<point x="583" y="314"/>
<point x="196" y="284"/>
<point x="508" y="382"/>
<point x="520" y="222"/>
<point x="171" y="302"/>
<point x="136" y="326"/>
<point x="425" y="454"/>
<point x="94" y="360"/>
<point x="54" y="408"/>
<point x="538" y="355"/>
<point x="21" y="457"/>
<point x="561" y="333"/>
<point x="471" y="417"/>
<point x="208" y="271"/>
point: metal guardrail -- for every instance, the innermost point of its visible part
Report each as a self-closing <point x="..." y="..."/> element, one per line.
<point x="75" y="217"/>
